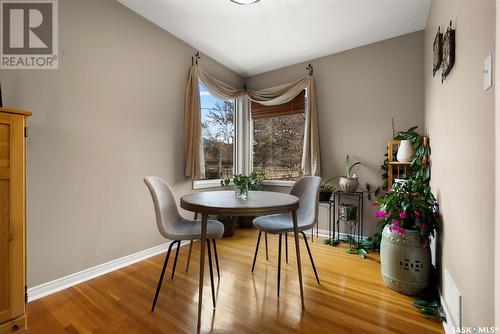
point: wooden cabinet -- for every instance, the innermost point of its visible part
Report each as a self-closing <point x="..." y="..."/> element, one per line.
<point x="12" y="220"/>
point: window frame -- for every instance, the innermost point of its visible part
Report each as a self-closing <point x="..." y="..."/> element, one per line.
<point x="242" y="148"/>
<point x="214" y="183"/>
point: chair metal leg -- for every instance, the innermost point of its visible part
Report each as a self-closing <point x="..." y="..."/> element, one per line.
<point x="158" y="287"/>
<point x="267" y="253"/>
<point x="286" y="247"/>
<point x="256" y="250"/>
<point x="279" y="263"/>
<point x="216" y="259"/>
<point x="204" y="218"/>
<point x="211" y="271"/>
<point x="297" y="252"/>
<point x="189" y="255"/>
<point x="175" y="260"/>
<point x="310" y="257"/>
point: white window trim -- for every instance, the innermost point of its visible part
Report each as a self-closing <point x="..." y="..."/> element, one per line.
<point x="279" y="183"/>
<point x="204" y="184"/>
<point x="237" y="163"/>
<point x="242" y="149"/>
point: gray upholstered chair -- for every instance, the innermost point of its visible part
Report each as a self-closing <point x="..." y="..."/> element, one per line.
<point x="307" y="190"/>
<point x="174" y="227"/>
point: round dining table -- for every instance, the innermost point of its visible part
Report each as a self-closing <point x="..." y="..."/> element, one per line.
<point x="258" y="203"/>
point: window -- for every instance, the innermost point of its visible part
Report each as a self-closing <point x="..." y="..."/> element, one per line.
<point x="278" y="137"/>
<point x="218" y="134"/>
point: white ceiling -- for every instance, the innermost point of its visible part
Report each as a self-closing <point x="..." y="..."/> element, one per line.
<point x="271" y="34"/>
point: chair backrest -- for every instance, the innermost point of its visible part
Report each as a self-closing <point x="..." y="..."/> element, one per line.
<point x="166" y="210"/>
<point x="307" y="190"/>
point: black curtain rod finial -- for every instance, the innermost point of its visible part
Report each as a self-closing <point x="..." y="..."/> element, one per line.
<point x="194" y="59"/>
<point x="310" y="69"/>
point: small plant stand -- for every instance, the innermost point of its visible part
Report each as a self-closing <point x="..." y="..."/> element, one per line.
<point x="355" y="225"/>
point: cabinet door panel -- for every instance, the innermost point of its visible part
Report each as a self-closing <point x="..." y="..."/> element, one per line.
<point x="12" y="213"/>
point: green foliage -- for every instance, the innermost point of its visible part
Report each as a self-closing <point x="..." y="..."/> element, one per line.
<point x="326" y="188"/>
<point x="369" y="191"/>
<point x="409" y="205"/>
<point x="254" y="181"/>
<point x="360" y="248"/>
<point x="348" y="170"/>
<point x="349" y="166"/>
<point x="418" y="163"/>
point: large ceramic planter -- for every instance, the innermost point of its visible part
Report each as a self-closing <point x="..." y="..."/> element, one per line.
<point x="349" y="184"/>
<point x="405" y="263"/>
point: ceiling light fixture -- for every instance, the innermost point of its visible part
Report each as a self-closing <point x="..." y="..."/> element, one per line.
<point x="245" y="2"/>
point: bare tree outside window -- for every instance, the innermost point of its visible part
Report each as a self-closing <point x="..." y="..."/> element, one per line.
<point x="277" y="146"/>
<point x="217" y="124"/>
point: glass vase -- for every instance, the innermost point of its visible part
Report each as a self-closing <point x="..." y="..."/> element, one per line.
<point x="241" y="191"/>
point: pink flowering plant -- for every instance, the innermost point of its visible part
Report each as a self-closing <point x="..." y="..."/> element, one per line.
<point x="409" y="205"/>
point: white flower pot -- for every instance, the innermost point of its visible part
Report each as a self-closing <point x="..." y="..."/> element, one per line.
<point x="349" y="184"/>
<point x="405" y="151"/>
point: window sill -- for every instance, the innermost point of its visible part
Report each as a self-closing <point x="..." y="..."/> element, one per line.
<point x="204" y="184"/>
<point x="279" y="183"/>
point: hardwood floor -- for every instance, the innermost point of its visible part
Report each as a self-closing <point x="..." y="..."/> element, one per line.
<point x="350" y="299"/>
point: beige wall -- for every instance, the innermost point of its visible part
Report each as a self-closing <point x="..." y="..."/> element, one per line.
<point x="112" y="114"/>
<point x="497" y="170"/>
<point x="358" y="92"/>
<point x="459" y="118"/>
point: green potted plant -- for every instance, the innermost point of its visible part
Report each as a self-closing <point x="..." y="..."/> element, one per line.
<point x="409" y="215"/>
<point x="348" y="182"/>
<point x="325" y="192"/>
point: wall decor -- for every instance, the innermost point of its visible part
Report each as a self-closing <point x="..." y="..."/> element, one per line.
<point x="448" y="52"/>
<point x="437" y="49"/>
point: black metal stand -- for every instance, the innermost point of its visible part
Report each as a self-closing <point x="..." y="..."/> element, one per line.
<point x="356" y="224"/>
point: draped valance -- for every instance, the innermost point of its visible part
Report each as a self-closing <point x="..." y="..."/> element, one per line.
<point x="193" y="145"/>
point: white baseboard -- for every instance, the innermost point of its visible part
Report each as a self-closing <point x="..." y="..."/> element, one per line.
<point x="324" y="234"/>
<point x="45" y="289"/>
<point x="448" y="325"/>
<point x="65" y="282"/>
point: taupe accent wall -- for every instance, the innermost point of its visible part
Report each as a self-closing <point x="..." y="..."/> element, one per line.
<point x="112" y="114"/>
<point x="459" y="118"/>
<point x="358" y="92"/>
<point x="497" y="170"/>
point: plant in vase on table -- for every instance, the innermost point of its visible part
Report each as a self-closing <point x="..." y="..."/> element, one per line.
<point x="244" y="183"/>
<point x="409" y="215"/>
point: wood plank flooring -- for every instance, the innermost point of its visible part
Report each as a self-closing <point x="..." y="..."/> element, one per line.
<point x="350" y="299"/>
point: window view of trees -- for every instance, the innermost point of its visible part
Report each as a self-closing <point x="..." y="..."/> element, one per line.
<point x="277" y="140"/>
<point x="277" y="146"/>
<point x="217" y="122"/>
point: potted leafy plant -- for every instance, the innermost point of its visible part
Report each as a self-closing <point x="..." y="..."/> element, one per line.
<point x="348" y="183"/>
<point x="325" y="192"/>
<point x="409" y="214"/>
